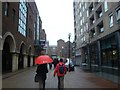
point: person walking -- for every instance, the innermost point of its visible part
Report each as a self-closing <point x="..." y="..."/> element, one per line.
<point x="60" y="70"/>
<point x="55" y="62"/>
<point x="42" y="71"/>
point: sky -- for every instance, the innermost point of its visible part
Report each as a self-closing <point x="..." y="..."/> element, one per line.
<point x="57" y="19"/>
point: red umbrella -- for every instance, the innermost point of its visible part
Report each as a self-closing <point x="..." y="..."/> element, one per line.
<point x="43" y="59"/>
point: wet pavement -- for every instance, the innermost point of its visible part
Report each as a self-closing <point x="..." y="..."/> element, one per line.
<point x="75" y="79"/>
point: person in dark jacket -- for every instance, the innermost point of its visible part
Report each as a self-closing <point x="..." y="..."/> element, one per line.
<point x="42" y="71"/>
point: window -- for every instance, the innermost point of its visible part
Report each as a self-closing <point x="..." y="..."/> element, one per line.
<point x="22" y="17"/>
<point x="118" y="13"/>
<point x="99" y="12"/>
<point x="6" y="8"/>
<point x="105" y="5"/>
<point x="92" y="32"/>
<point x="102" y="29"/>
<point x="83" y="19"/>
<point x="87" y="26"/>
<point x="80" y="5"/>
<point x="87" y="13"/>
<point x="83" y="8"/>
<point x="13" y="15"/>
<point x="111" y="20"/>
<point x="85" y="5"/>
<point x="81" y="22"/>
<point x="80" y="14"/>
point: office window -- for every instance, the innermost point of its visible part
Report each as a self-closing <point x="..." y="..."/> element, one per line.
<point x="81" y="22"/>
<point x="80" y="14"/>
<point x="22" y="17"/>
<point x="111" y="20"/>
<point x="87" y="26"/>
<point x="83" y="19"/>
<point x="87" y="13"/>
<point x="105" y="5"/>
<point x="6" y="8"/>
<point x="85" y="5"/>
<point x="80" y="5"/>
<point x="118" y="13"/>
<point x="83" y="8"/>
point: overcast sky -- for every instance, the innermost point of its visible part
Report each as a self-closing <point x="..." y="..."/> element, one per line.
<point x="57" y="19"/>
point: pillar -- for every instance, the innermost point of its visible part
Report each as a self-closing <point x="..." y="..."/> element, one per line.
<point x="25" y="61"/>
<point x="118" y="41"/>
<point x="31" y="60"/>
<point x="99" y="55"/>
<point x="14" y="62"/>
<point x="89" y="61"/>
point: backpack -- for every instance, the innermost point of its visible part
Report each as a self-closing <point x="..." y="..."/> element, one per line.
<point x="61" y="68"/>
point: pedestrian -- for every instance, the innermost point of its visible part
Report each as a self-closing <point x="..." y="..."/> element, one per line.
<point x="60" y="74"/>
<point x="42" y="71"/>
<point x="50" y="65"/>
<point x="55" y="62"/>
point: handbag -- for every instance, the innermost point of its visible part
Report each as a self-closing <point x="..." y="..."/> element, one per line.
<point x="36" y="78"/>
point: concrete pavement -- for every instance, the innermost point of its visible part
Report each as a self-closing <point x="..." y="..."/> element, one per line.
<point x="77" y="79"/>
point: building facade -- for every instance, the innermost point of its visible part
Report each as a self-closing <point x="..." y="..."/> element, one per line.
<point x="20" y="26"/>
<point x="101" y="53"/>
<point x="60" y="47"/>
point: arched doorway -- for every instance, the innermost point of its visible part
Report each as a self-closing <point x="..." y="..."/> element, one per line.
<point x="21" y="57"/>
<point x="8" y="46"/>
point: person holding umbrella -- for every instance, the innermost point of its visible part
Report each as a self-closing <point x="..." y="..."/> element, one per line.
<point x="42" y="69"/>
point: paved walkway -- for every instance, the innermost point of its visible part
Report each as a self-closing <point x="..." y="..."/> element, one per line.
<point x="77" y="79"/>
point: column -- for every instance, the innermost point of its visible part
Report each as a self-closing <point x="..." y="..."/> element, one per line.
<point x="25" y="61"/>
<point x="118" y="41"/>
<point x="31" y="60"/>
<point x="14" y="62"/>
<point x="88" y="51"/>
<point x="99" y="55"/>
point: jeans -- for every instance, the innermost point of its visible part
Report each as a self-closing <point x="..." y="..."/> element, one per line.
<point x="60" y="82"/>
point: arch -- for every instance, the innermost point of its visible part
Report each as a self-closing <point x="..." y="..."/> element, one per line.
<point x="10" y="38"/>
<point x="8" y="46"/>
<point x="22" y="50"/>
<point x="23" y="47"/>
<point x="30" y="50"/>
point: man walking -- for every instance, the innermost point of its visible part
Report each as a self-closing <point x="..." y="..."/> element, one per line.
<point x="60" y="69"/>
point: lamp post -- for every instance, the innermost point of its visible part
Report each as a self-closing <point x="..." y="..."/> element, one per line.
<point x="69" y="49"/>
<point x="62" y="51"/>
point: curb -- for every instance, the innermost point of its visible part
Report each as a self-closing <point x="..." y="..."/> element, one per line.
<point x="7" y="75"/>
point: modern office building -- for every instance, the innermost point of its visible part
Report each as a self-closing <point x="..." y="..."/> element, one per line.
<point x="21" y="25"/>
<point x="100" y="52"/>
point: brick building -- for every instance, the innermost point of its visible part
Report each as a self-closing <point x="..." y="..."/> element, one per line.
<point x="21" y="25"/>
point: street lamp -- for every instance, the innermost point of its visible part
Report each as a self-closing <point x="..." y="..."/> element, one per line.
<point x="69" y="36"/>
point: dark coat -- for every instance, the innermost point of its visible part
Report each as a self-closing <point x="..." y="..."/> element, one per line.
<point x="42" y="70"/>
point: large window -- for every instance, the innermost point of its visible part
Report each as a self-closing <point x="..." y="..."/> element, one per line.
<point x="111" y="20"/>
<point x="118" y="13"/>
<point x="109" y="52"/>
<point x="22" y="17"/>
<point x="94" y="53"/>
<point x="6" y="9"/>
<point x="105" y="5"/>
